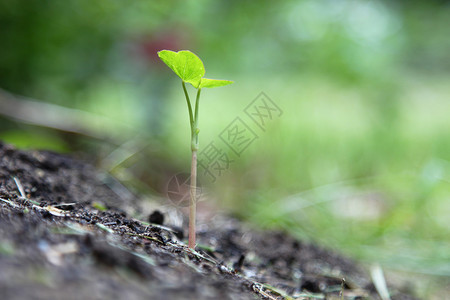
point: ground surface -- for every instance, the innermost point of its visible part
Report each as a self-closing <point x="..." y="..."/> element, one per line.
<point x="70" y="232"/>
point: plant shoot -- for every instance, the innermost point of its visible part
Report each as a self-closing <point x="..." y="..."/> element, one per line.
<point x="190" y="69"/>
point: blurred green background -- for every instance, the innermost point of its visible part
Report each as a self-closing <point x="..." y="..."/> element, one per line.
<point x="359" y="160"/>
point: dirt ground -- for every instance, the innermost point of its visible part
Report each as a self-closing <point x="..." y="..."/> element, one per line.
<point x="68" y="231"/>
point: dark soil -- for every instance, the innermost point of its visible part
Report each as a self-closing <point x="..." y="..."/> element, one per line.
<point x="68" y="231"/>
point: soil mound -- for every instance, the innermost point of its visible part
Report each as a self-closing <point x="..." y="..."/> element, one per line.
<point x="66" y="232"/>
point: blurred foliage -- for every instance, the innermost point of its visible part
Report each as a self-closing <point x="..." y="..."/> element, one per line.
<point x="360" y="159"/>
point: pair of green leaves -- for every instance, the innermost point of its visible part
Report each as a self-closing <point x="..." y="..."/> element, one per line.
<point x="189" y="68"/>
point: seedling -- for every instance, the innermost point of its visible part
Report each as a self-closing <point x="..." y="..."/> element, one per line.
<point x="190" y="69"/>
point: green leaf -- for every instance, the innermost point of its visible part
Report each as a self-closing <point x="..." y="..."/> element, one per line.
<point x="185" y="64"/>
<point x="212" y="83"/>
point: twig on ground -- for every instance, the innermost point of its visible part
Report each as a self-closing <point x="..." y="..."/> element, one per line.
<point x="20" y="187"/>
<point x="258" y="288"/>
<point x="40" y="113"/>
<point x="9" y="202"/>
<point x="379" y="282"/>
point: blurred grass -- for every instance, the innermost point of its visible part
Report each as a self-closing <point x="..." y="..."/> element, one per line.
<point x="336" y="170"/>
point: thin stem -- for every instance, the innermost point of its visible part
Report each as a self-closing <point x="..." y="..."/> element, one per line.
<point x="193" y="202"/>
<point x="194" y="147"/>
<point x="191" y="117"/>
<point x="197" y="101"/>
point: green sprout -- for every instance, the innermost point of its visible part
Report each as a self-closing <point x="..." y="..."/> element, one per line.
<point x="190" y="69"/>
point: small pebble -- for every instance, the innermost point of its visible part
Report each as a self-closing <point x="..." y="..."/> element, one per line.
<point x="156" y="218"/>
